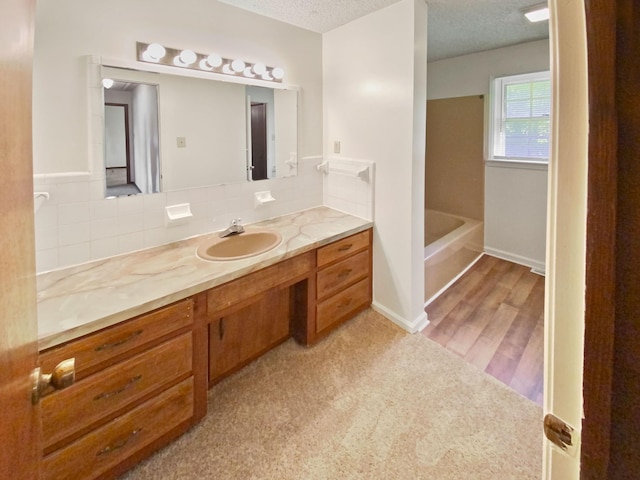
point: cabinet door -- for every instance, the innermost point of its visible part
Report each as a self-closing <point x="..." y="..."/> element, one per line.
<point x="239" y="337"/>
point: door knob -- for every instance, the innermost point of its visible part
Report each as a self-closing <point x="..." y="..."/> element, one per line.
<point x="63" y="375"/>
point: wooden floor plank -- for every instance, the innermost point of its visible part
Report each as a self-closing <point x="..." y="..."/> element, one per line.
<point x="493" y="317"/>
<point x="483" y="350"/>
<point x="468" y="333"/>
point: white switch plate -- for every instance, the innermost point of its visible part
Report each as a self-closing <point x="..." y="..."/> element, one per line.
<point x="182" y="142"/>
<point x="336" y="146"/>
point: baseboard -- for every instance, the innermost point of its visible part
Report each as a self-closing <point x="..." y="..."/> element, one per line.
<point x="417" y="325"/>
<point x="536" y="266"/>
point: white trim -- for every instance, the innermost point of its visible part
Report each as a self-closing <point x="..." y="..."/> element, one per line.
<point x="522" y="164"/>
<point x="537" y="266"/>
<point x="416" y="326"/>
<point x="453" y="280"/>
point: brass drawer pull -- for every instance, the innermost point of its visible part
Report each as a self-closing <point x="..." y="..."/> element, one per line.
<point x="119" y="444"/>
<point x="221" y="328"/>
<point x="125" y="387"/>
<point x="118" y="342"/>
<point x="344" y="248"/>
<point x="345" y="272"/>
<point x="345" y="303"/>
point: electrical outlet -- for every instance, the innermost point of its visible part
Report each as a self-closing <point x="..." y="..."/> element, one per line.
<point x="182" y="142"/>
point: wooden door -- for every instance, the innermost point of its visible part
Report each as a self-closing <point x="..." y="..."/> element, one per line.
<point x="259" y="140"/>
<point x="19" y="420"/>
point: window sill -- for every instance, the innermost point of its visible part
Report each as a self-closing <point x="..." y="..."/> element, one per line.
<point x="523" y="164"/>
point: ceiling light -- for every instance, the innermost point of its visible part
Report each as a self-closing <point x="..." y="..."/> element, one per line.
<point x="107" y="82"/>
<point x="213" y="63"/>
<point x="537" y="13"/>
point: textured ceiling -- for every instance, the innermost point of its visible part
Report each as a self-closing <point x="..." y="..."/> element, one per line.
<point x="456" y="27"/>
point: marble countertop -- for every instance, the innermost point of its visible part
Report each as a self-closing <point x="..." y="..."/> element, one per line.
<point x="82" y="299"/>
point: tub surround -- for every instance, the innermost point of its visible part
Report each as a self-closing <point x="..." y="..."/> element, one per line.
<point x="82" y="299"/>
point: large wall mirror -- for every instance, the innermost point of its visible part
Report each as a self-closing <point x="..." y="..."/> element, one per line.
<point x="167" y="132"/>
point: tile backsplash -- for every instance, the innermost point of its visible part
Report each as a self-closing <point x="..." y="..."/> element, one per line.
<point x="77" y="224"/>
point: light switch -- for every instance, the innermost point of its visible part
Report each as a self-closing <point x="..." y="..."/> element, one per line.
<point x="336" y="146"/>
<point x="182" y="142"/>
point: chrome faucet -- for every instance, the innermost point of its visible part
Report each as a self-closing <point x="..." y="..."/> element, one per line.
<point x="235" y="228"/>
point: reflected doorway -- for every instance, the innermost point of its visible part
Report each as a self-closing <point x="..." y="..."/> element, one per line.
<point x="119" y="175"/>
<point x="259" y="141"/>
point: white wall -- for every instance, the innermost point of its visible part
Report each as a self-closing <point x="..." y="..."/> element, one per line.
<point x="374" y="104"/>
<point x="515" y="198"/>
<point x="78" y="224"/>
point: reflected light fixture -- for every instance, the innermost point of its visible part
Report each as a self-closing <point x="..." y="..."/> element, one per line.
<point x="212" y="62"/>
<point x="107" y="83"/>
<point x="154" y="53"/>
<point x="537" y="13"/>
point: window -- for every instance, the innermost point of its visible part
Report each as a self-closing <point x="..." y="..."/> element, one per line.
<point x="520" y="127"/>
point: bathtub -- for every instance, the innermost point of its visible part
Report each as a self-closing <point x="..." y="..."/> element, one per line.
<point x="452" y="244"/>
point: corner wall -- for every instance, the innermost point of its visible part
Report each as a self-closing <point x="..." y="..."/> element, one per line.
<point x="375" y="106"/>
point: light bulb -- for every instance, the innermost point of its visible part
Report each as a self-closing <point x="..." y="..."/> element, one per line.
<point x="214" y="60"/>
<point x="278" y="73"/>
<point x="107" y="83"/>
<point x="188" y="57"/>
<point x="227" y="69"/>
<point x="248" y="73"/>
<point x="154" y="52"/>
<point x="266" y="76"/>
<point x="259" y="68"/>
<point x="238" y="66"/>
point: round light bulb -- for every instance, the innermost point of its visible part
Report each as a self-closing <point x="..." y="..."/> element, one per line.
<point x="227" y="69"/>
<point x="238" y="66"/>
<point x="248" y="73"/>
<point x="107" y="82"/>
<point x="214" y="60"/>
<point x="155" y="52"/>
<point x="259" y="68"/>
<point x="188" y="57"/>
<point x="278" y="73"/>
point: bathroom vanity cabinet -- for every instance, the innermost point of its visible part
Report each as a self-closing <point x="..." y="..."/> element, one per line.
<point x="139" y="385"/>
<point x="143" y="382"/>
<point x="251" y="315"/>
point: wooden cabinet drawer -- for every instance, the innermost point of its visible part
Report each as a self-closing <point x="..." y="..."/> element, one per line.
<point x="104" y="346"/>
<point x="342" y="248"/>
<point x="103" y="448"/>
<point x="69" y="411"/>
<point x="339" y="307"/>
<point x="242" y="289"/>
<point x="337" y="276"/>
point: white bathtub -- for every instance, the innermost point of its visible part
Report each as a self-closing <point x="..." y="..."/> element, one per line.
<point x="452" y="244"/>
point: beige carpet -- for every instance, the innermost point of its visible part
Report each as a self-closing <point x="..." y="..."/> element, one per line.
<point x="368" y="402"/>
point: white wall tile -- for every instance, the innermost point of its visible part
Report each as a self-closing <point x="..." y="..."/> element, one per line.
<point x="47" y="260"/>
<point x="73" y="234"/>
<point x="104" y="228"/>
<point x="69" y="213"/>
<point x="101" y="209"/>
<point x="130" y="242"/>
<point x="104" y="247"/>
<point x="75" y="253"/>
<point x="130" y="223"/>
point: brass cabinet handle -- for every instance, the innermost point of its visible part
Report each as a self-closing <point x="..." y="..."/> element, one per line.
<point x="345" y="247"/>
<point x="117" y="343"/>
<point x="42" y="384"/>
<point x="221" y="328"/>
<point x="125" y="387"/>
<point x="119" y="444"/>
<point x="345" y="272"/>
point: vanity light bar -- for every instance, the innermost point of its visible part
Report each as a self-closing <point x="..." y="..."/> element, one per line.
<point x="156" y="53"/>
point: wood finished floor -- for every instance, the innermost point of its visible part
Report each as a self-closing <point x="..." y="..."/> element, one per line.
<point x="493" y="317"/>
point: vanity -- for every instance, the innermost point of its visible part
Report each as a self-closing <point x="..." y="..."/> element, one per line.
<point x="152" y="330"/>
